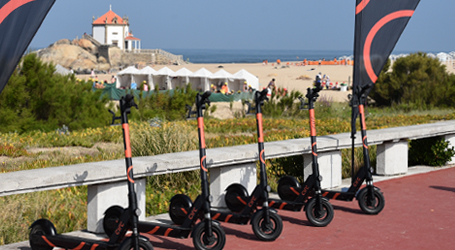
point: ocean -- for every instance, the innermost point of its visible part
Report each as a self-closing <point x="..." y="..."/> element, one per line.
<point x="258" y="56"/>
<point x="255" y="56"/>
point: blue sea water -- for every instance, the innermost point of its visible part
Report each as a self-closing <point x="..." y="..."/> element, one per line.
<point x="255" y="56"/>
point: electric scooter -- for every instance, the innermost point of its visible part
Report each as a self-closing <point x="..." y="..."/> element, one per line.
<point x="266" y="223"/>
<point x="43" y="235"/>
<point x="370" y="198"/>
<point x="207" y="234"/>
<point x="294" y="196"/>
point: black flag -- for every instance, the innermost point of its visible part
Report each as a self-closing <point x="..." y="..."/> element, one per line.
<point x="19" y="21"/>
<point x="378" y="26"/>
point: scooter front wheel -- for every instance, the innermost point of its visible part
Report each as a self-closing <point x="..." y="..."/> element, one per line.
<point x="319" y="218"/>
<point x="144" y="244"/>
<point x="371" y="206"/>
<point x="267" y="231"/>
<point x="203" y="241"/>
<point x="111" y="219"/>
<point x="178" y="209"/>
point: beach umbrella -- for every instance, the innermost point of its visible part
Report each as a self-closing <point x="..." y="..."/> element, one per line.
<point x="19" y="22"/>
<point x="203" y="77"/>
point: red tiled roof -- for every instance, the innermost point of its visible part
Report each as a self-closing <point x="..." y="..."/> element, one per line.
<point x="132" y="38"/>
<point x="110" y="15"/>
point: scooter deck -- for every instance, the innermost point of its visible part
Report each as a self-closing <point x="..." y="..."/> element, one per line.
<point x="338" y="195"/>
<point x="286" y="205"/>
<point x="241" y="219"/>
<point x="71" y="242"/>
<point x="163" y="229"/>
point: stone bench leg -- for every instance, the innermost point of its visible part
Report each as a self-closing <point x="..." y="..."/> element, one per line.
<point x="451" y="139"/>
<point x="392" y="158"/>
<point x="329" y="168"/>
<point x="101" y="197"/>
<point x="221" y="178"/>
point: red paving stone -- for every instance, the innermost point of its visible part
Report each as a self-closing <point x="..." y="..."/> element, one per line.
<point x="418" y="214"/>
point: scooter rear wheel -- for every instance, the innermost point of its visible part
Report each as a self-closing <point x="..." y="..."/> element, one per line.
<point x="38" y="230"/>
<point x="288" y="188"/>
<point x="144" y="244"/>
<point x="267" y="231"/>
<point x="235" y="198"/>
<point x="371" y="207"/>
<point x="319" y="218"/>
<point x="178" y="209"/>
<point x="111" y="219"/>
<point x="203" y="241"/>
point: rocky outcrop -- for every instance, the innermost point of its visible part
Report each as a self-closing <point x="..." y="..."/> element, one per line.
<point x="69" y="56"/>
<point x="82" y="56"/>
<point x="87" y="45"/>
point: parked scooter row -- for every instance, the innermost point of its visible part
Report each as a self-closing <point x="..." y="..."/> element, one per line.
<point x="198" y="220"/>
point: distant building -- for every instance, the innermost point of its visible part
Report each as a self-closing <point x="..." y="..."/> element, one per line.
<point x="111" y="29"/>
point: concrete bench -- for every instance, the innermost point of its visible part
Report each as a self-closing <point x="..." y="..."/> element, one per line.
<point x="106" y="180"/>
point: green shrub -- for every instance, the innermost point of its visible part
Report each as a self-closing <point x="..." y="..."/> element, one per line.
<point x="434" y="151"/>
<point x="282" y="104"/>
<point x="167" y="105"/>
<point x="416" y="80"/>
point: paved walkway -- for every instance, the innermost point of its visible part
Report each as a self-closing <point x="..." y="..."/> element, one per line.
<point x="419" y="214"/>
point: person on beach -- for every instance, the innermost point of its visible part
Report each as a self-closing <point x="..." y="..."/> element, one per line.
<point x="145" y="86"/>
<point x="212" y="88"/>
<point x="245" y="86"/>
<point x="272" y="84"/>
<point x="133" y="85"/>
<point x="224" y="89"/>
<point x="318" y="80"/>
<point x="113" y="80"/>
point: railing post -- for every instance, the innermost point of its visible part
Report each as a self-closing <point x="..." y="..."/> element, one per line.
<point x="392" y="158"/>
<point x="102" y="196"/>
<point x="222" y="177"/>
<point x="451" y="139"/>
<point x="329" y="168"/>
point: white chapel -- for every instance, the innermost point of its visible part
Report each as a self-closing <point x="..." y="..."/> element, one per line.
<point x="111" y="29"/>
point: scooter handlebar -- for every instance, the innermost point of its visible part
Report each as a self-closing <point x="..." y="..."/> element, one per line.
<point x="129" y="101"/>
<point x="261" y="96"/>
<point x="203" y="99"/>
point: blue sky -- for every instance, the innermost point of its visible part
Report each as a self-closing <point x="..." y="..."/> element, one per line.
<point x="246" y="24"/>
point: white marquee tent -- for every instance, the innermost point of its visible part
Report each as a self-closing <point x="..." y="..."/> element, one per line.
<point x="182" y="78"/>
<point x="222" y="76"/>
<point x="126" y="77"/>
<point x="146" y="74"/>
<point x="201" y="79"/>
<point x="164" y="80"/>
<point x="242" y="76"/>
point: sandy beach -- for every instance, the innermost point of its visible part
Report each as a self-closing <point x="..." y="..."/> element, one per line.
<point x="286" y="76"/>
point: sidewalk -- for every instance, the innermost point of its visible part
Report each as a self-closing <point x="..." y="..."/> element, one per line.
<point x="418" y="214"/>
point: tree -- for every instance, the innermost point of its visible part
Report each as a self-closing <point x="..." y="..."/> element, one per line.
<point x="416" y="79"/>
<point x="37" y="98"/>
